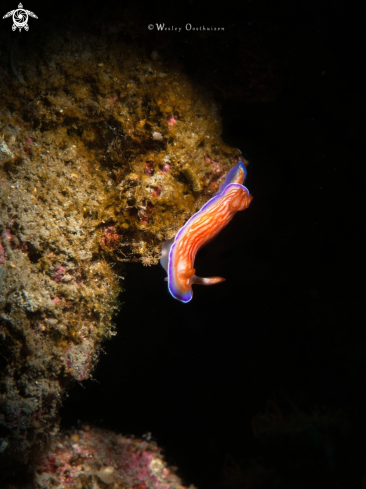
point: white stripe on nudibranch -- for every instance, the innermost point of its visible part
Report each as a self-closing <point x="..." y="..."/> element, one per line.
<point x="178" y="254"/>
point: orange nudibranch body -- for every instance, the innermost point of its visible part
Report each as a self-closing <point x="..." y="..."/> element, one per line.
<point x="178" y="254"/>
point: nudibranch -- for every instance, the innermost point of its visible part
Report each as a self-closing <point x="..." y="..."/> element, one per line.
<point x="178" y="253"/>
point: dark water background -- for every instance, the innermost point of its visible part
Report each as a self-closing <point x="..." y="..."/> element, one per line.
<point x="287" y="327"/>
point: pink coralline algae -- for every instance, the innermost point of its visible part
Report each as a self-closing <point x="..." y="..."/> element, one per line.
<point x="58" y="275"/>
<point x="110" y="237"/>
<point x="217" y="167"/>
<point x="93" y="457"/>
<point x="165" y="168"/>
<point x="171" y="120"/>
<point x="156" y="191"/>
<point x="149" y="168"/>
<point x="14" y="241"/>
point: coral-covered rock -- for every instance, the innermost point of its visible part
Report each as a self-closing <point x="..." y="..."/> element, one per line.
<point x="95" y="458"/>
<point x="106" y="152"/>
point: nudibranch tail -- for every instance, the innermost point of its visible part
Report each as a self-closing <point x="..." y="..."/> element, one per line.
<point x="178" y="254"/>
<point x="206" y="281"/>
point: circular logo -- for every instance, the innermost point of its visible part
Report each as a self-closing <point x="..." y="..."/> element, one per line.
<point x="20" y="18"/>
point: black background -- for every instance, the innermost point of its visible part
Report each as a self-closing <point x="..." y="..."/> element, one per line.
<point x="287" y="326"/>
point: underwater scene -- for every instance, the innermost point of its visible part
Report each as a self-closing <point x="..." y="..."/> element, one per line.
<point x="148" y="150"/>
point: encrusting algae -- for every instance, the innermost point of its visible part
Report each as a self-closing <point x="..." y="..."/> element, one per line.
<point x="105" y="152"/>
<point x="93" y="458"/>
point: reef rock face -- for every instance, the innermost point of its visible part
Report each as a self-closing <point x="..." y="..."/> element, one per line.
<point x="95" y="458"/>
<point x="106" y="151"/>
